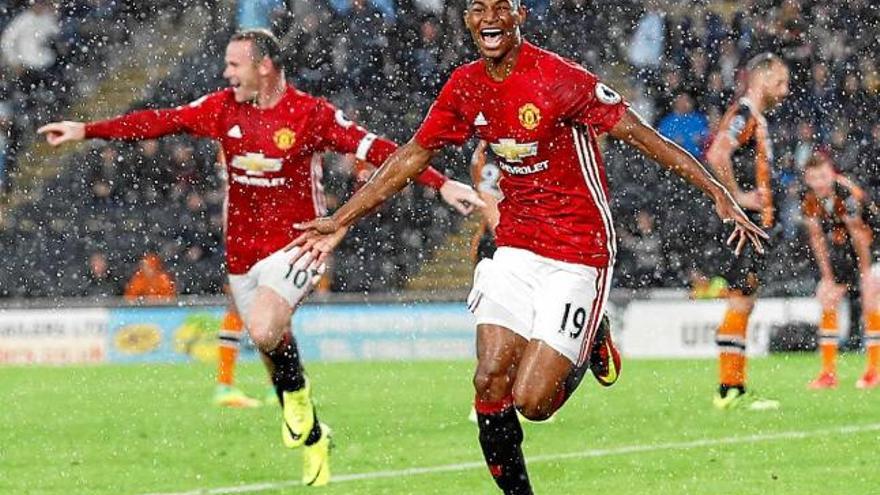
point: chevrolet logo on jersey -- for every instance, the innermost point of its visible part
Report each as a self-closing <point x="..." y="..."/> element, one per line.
<point x="256" y="163"/>
<point x="511" y="151"/>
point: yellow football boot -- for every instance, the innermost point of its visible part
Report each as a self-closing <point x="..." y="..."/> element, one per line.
<point x="298" y="416"/>
<point x="316" y="460"/>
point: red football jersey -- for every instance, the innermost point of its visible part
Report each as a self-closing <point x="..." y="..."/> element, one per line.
<point x="273" y="160"/>
<point x="542" y="122"/>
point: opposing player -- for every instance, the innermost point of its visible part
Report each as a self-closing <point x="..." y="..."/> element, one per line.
<point x="539" y="300"/>
<point x="741" y="155"/>
<point x="836" y="215"/>
<point x="226" y="394"/>
<point x="272" y="136"/>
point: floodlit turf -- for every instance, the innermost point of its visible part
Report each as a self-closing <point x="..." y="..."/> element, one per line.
<point x="152" y="429"/>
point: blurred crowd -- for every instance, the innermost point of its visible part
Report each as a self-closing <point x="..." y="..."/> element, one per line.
<point x="50" y="53"/>
<point x="383" y="61"/>
<point x="72" y="237"/>
<point x="684" y="69"/>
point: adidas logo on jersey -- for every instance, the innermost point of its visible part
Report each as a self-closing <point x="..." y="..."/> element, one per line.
<point x="235" y="132"/>
<point x="480" y="120"/>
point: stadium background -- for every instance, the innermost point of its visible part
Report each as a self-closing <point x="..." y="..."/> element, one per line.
<point x="75" y="222"/>
<point x="118" y="201"/>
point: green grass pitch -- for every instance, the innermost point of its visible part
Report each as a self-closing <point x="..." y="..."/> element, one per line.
<point x="152" y="429"/>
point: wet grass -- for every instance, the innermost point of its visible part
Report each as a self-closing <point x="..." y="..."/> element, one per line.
<point x="148" y="429"/>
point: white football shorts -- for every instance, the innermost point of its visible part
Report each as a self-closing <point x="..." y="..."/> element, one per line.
<point x="291" y="282"/>
<point x="540" y="298"/>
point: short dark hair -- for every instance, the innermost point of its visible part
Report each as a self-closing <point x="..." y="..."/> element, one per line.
<point x="513" y="3"/>
<point x="763" y="62"/>
<point x="818" y="159"/>
<point x="265" y="44"/>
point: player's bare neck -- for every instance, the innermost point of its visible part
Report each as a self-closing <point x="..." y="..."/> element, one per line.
<point x="500" y="68"/>
<point x="271" y="93"/>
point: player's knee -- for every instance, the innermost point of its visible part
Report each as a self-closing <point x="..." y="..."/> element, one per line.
<point x="491" y="381"/>
<point x="532" y="407"/>
<point x="264" y="335"/>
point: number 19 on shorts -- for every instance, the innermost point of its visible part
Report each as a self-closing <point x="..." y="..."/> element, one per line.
<point x="574" y="319"/>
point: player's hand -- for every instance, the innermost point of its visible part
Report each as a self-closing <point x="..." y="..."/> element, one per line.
<point x="460" y="196"/>
<point x="58" y="133"/>
<point x="753" y="200"/>
<point x="319" y="238"/>
<point x="744" y="230"/>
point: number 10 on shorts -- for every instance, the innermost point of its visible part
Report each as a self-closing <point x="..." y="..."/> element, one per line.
<point x="302" y="276"/>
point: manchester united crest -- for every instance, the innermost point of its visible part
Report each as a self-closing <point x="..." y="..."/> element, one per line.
<point x="284" y="138"/>
<point x="529" y="116"/>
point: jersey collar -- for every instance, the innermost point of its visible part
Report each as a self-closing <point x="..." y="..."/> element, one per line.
<point x="524" y="60"/>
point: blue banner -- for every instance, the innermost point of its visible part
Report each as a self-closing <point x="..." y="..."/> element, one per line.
<point x="324" y="332"/>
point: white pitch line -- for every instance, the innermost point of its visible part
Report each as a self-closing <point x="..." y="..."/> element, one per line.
<point x="629" y="449"/>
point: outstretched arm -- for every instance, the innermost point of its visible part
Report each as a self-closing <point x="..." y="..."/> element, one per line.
<point x="145" y="124"/>
<point x="401" y="167"/>
<point x="376" y="149"/>
<point x="456" y="194"/>
<point x="58" y="133"/>
<point x="197" y="118"/>
<point x="633" y="130"/>
<point x="322" y="235"/>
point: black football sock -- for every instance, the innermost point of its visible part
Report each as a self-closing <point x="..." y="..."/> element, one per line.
<point x="501" y="440"/>
<point x="288" y="374"/>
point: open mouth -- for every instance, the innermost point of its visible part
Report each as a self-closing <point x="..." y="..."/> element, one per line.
<point x="491" y="37"/>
